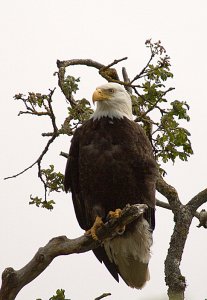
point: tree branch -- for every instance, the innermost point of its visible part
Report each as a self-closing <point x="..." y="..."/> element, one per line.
<point x="198" y="200"/>
<point x="163" y="204"/>
<point x="170" y="193"/>
<point x="84" y="62"/>
<point x="173" y="277"/>
<point x="143" y="70"/>
<point x="110" y="74"/>
<point x="183" y="217"/>
<point x="103" y="296"/>
<point x="13" y="281"/>
<point x="127" y="80"/>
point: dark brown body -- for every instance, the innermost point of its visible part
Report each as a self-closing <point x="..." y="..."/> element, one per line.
<point x="110" y="164"/>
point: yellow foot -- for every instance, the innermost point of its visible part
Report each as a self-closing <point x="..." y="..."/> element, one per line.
<point x="97" y="224"/>
<point x="116" y="214"/>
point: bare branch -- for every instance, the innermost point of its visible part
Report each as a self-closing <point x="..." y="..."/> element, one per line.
<point x="115" y="62"/>
<point x="64" y="154"/>
<point x="143" y="70"/>
<point x="84" y="62"/>
<point x="37" y="113"/>
<point x="170" y="193"/>
<point x="126" y="79"/>
<point x="22" y="172"/>
<point x="110" y="74"/>
<point x="198" y="200"/>
<point x="163" y="204"/>
<point x="13" y="281"/>
<point x="106" y="72"/>
<point x="103" y="296"/>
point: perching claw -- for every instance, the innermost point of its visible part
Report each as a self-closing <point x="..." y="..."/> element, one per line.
<point x="116" y="214"/>
<point x="97" y="224"/>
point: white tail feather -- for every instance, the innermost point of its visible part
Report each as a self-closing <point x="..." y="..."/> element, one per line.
<point x="131" y="253"/>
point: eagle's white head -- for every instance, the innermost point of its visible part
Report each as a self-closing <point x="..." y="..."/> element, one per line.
<point x="113" y="101"/>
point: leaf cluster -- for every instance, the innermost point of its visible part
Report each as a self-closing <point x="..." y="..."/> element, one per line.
<point x="53" y="183"/>
<point x="54" y="180"/>
<point x="159" y="117"/>
<point x="39" y="202"/>
<point x="60" y="295"/>
<point x="35" y="103"/>
<point x="70" y="86"/>
<point x="77" y="114"/>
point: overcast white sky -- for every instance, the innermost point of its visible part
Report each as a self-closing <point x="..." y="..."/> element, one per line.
<point x="34" y="34"/>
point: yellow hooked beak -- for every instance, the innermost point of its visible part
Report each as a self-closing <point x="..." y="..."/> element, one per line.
<point x="99" y="95"/>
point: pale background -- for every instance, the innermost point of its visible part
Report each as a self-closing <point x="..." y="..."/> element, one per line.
<point x="34" y="34"/>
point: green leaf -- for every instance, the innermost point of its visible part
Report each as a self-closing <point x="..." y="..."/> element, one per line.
<point x="48" y="204"/>
<point x="54" y="180"/>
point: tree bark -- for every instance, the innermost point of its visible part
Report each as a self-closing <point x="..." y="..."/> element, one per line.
<point x="183" y="215"/>
<point x="173" y="277"/>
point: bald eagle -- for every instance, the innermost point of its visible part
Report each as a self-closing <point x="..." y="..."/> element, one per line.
<point x="111" y="164"/>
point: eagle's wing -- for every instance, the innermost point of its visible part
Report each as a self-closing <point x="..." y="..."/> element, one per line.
<point x="71" y="180"/>
<point x="71" y="183"/>
<point x="101" y="255"/>
<point x="146" y="166"/>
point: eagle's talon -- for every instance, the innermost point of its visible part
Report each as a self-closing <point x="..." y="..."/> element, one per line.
<point x="115" y="214"/>
<point x="97" y="224"/>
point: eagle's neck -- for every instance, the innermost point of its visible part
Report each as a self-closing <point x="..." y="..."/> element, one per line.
<point x="108" y="109"/>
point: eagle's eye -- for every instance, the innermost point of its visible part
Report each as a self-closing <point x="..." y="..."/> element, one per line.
<point x="111" y="91"/>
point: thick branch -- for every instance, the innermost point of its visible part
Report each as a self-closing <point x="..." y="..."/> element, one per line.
<point x="173" y="277"/>
<point x="198" y="200"/>
<point x="84" y="62"/>
<point x="182" y="217"/>
<point x="170" y="193"/>
<point x="110" y="74"/>
<point x="107" y="72"/>
<point x="13" y="281"/>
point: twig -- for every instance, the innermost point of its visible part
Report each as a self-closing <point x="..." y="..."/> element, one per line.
<point x="37" y="113"/>
<point x="103" y="296"/>
<point x="115" y="62"/>
<point x="143" y="70"/>
<point x="163" y="204"/>
<point x="64" y="154"/>
<point x="22" y="172"/>
<point x="127" y="80"/>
